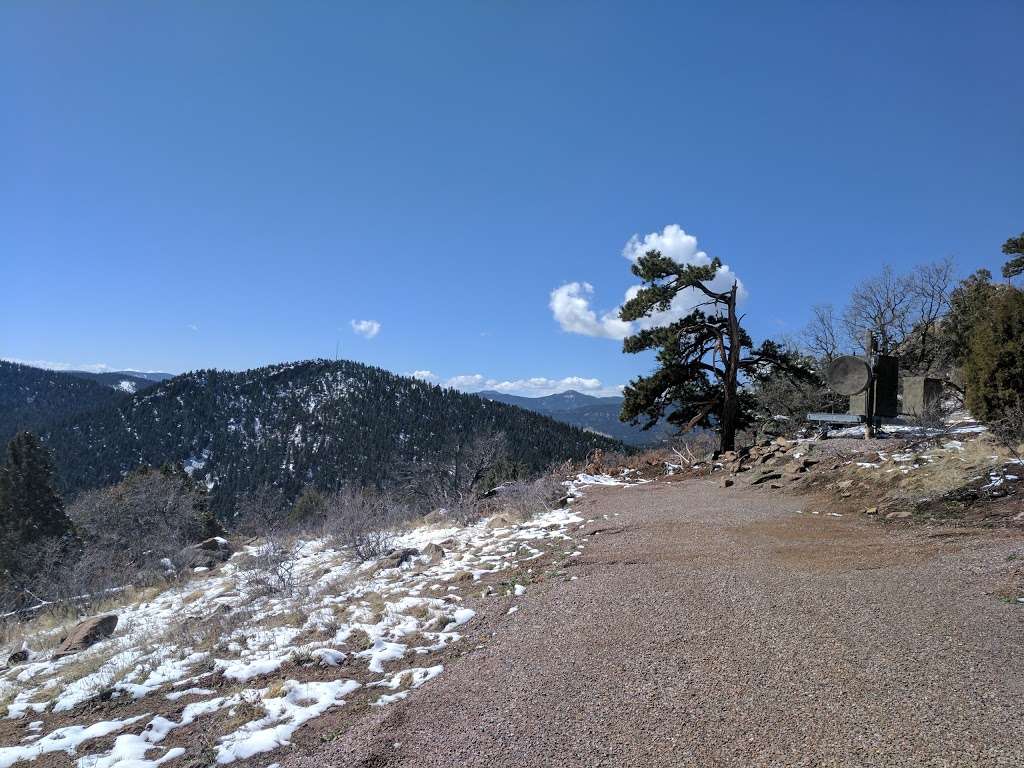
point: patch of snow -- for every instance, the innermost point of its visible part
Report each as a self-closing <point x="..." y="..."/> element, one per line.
<point x="65" y="739"/>
<point x="301" y="702"/>
<point x="242" y="671"/>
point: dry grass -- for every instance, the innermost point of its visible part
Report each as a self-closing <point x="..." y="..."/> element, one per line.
<point x="358" y="640"/>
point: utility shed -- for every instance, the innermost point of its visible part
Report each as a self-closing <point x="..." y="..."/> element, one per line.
<point x="919" y="394"/>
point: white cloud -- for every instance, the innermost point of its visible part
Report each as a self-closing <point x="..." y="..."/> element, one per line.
<point x="52" y="366"/>
<point x="571" y="308"/>
<point x="365" y="328"/>
<point x="193" y="327"/>
<point x="424" y="375"/>
<point x="536" y="386"/>
<point x="570" y="303"/>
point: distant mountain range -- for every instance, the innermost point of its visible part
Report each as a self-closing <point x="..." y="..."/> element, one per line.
<point x="596" y="414"/>
<point x="126" y="381"/>
<point x="321" y="423"/>
<point x="33" y="398"/>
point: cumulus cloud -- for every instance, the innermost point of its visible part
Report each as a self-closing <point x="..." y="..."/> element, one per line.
<point x="571" y="304"/>
<point x="365" y="328"/>
<point x="424" y="375"/>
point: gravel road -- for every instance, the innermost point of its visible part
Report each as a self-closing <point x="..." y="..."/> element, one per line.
<point x="711" y="627"/>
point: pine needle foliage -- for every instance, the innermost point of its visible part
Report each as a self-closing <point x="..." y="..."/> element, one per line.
<point x="703" y="358"/>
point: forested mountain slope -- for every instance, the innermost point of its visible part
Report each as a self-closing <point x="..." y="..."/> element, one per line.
<point x="33" y="397"/>
<point x="324" y="423"/>
<point x="127" y="381"/>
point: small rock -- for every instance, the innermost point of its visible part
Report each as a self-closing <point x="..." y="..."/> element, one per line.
<point x="727" y="482"/>
<point x="767" y="476"/>
<point x="899" y="514"/>
<point x="844" y="485"/>
<point x="18" y="657"/>
<point x="87" y="633"/>
<point x="871" y="511"/>
<point x="397" y="557"/>
<point x="500" y="521"/>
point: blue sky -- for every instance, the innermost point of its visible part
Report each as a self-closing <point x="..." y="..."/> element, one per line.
<point x="193" y="184"/>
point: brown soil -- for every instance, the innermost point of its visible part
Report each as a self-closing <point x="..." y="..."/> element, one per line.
<point x="718" y="627"/>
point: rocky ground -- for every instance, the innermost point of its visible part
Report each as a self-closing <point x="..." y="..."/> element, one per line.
<point x="707" y="626"/>
<point x="232" y="661"/>
<point x="800" y="603"/>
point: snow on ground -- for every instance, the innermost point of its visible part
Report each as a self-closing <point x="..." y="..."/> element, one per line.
<point x="217" y="635"/>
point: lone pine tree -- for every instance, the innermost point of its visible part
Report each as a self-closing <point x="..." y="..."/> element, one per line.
<point x="703" y="357"/>
<point x="1014" y="247"/>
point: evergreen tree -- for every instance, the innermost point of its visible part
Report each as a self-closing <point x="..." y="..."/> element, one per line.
<point x="994" y="370"/>
<point x="31" y="511"/>
<point x="968" y="302"/>
<point x="310" y="507"/>
<point x="702" y="357"/>
<point x="1014" y="247"/>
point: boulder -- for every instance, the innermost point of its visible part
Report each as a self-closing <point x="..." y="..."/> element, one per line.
<point x="844" y="485"/>
<point x="433" y="552"/>
<point x="18" y="657"/>
<point x="86" y="633"/>
<point x="207" y="554"/>
<point x="501" y="521"/>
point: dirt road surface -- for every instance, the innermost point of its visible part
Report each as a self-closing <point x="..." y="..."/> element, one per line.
<point x="712" y="627"/>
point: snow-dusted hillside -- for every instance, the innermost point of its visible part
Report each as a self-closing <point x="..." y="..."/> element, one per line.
<point x="322" y="422"/>
<point x="228" y="664"/>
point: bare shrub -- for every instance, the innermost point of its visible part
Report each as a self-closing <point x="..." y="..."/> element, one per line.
<point x="696" y="450"/>
<point x="903" y="311"/>
<point x="128" y="530"/>
<point x="261" y="511"/>
<point x="522" y="499"/>
<point x="363" y="521"/>
<point x="270" y="570"/>
<point x="1008" y="429"/>
<point x="466" y="470"/>
<point x="822" y="337"/>
<point x="933" y="416"/>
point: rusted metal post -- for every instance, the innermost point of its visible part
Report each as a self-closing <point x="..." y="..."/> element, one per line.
<point x="869" y="396"/>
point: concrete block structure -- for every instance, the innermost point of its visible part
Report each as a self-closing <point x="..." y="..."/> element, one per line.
<point x="919" y="394"/>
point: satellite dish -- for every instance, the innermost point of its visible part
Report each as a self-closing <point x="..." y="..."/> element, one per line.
<point x="848" y="375"/>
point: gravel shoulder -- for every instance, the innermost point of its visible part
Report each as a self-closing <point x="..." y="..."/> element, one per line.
<point x="710" y="627"/>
